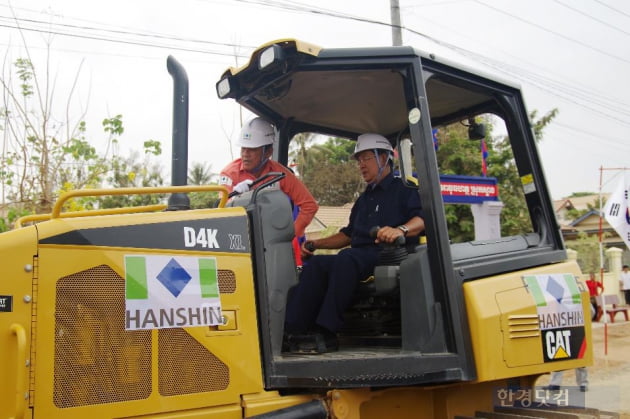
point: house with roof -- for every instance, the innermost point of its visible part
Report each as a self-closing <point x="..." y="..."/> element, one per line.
<point x="564" y="206"/>
<point x="588" y="223"/>
<point x="328" y="220"/>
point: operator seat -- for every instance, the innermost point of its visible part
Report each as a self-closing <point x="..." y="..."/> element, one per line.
<point x="271" y="236"/>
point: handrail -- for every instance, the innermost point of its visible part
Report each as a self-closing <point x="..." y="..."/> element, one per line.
<point x="105" y="211"/>
<point x="20" y="391"/>
<point x="138" y="191"/>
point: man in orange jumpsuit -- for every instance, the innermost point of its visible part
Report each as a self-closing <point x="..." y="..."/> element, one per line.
<point x="256" y="141"/>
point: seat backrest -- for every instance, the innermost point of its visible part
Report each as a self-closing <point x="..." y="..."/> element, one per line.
<point x="272" y="233"/>
<point x="610" y="299"/>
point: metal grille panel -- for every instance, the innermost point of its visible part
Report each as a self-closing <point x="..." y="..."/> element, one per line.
<point x="96" y="360"/>
<point x="227" y="281"/>
<point x="185" y="366"/>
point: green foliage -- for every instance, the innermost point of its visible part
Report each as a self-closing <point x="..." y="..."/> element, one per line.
<point x="587" y="248"/>
<point x="456" y="154"/>
<point x="328" y="170"/>
<point x="335" y="184"/>
<point x="153" y="147"/>
<point x="25" y="73"/>
<point x="574" y="213"/>
<point x="459" y="155"/>
<point x="44" y="155"/>
<point x="580" y="194"/>
<point x="12" y="215"/>
<point x="113" y="126"/>
<point x="539" y="125"/>
<point x="338" y="150"/>
<point x="201" y="174"/>
<point x="132" y="172"/>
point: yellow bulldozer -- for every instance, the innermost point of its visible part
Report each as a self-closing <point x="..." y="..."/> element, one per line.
<point x="167" y="312"/>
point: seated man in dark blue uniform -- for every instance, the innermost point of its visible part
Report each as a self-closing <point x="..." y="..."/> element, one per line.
<point x="316" y="305"/>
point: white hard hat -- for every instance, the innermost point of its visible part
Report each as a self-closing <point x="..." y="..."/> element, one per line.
<point x="256" y="133"/>
<point x="372" y="141"/>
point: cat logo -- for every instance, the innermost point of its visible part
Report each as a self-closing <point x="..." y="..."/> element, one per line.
<point x="558" y="343"/>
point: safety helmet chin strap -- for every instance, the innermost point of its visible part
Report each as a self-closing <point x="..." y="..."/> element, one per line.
<point x="380" y="167"/>
<point x="263" y="161"/>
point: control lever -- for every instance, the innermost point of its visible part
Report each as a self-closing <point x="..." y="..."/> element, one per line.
<point x="400" y="240"/>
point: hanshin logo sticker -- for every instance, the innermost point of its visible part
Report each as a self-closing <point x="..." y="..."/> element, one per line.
<point x="171" y="291"/>
<point x="560" y="315"/>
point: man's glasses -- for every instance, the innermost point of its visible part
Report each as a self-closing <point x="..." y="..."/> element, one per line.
<point x="365" y="159"/>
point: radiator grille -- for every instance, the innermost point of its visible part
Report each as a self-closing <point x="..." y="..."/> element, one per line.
<point x="227" y="282"/>
<point x="96" y="360"/>
<point x="185" y="366"/>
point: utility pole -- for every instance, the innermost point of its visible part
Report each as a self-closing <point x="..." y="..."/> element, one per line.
<point x="396" y="28"/>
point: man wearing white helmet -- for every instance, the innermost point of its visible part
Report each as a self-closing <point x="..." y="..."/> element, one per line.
<point x="327" y="283"/>
<point x="256" y="141"/>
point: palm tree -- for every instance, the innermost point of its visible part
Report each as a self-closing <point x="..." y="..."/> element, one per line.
<point x="200" y="174"/>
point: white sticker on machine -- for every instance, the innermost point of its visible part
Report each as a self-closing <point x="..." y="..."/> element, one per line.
<point x="171" y="291"/>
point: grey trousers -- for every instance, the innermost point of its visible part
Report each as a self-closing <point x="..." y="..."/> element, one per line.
<point x="581" y="377"/>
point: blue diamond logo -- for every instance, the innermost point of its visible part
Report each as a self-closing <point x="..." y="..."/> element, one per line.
<point x="174" y="277"/>
<point x="555" y="289"/>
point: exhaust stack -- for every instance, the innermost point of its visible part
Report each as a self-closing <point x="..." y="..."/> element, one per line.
<point x="179" y="166"/>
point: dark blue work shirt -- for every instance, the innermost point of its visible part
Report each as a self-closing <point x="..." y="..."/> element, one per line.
<point x="388" y="203"/>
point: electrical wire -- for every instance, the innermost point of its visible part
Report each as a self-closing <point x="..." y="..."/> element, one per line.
<point x="554" y="87"/>
<point x="608" y="25"/>
<point x="558" y="34"/>
<point x="612" y="8"/>
<point x="122" y="41"/>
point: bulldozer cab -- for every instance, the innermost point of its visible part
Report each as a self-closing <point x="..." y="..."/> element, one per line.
<point x="406" y="96"/>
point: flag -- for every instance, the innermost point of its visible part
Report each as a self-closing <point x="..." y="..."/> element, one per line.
<point x="616" y="211"/>
<point x="484" y="157"/>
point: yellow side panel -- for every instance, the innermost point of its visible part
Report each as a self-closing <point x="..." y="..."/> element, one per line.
<point x="88" y="365"/>
<point x="17" y="251"/>
<point x="505" y="326"/>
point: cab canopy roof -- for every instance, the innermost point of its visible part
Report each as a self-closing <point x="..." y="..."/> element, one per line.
<point x="349" y="90"/>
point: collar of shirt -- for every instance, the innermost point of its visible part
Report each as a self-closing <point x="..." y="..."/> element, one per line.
<point x="383" y="184"/>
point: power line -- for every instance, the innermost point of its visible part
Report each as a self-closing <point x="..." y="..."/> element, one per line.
<point x="618" y="142"/>
<point x="544" y="83"/>
<point x="572" y="89"/>
<point x="554" y="32"/>
<point x="592" y="17"/>
<point x="121" y="32"/>
<point x="612" y="8"/>
<point x="120" y="41"/>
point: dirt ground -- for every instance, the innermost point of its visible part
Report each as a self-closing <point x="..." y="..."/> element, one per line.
<point x="609" y="377"/>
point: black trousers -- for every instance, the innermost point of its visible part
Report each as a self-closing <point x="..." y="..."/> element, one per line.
<point x="326" y="289"/>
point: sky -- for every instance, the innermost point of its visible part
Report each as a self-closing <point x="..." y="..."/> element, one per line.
<point x="573" y="55"/>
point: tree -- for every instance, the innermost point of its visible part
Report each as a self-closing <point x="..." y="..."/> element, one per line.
<point x="201" y="174"/>
<point x="133" y="172"/>
<point x="459" y="155"/>
<point x="44" y="155"/>
<point x="35" y="144"/>
<point x="329" y="171"/>
<point x="304" y="154"/>
<point x="587" y="248"/>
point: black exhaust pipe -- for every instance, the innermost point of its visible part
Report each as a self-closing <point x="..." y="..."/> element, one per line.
<point x="179" y="168"/>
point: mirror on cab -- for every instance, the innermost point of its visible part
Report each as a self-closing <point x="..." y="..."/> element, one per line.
<point x="476" y="131"/>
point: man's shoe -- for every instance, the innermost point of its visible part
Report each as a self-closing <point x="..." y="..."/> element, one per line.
<point x="315" y="343"/>
<point x="583" y="389"/>
<point x="552" y="387"/>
